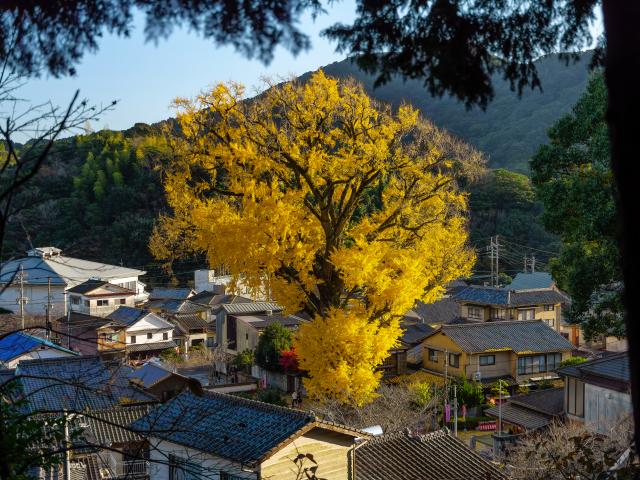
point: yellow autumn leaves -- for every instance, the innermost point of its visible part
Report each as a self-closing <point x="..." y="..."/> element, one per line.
<point x="333" y="204"/>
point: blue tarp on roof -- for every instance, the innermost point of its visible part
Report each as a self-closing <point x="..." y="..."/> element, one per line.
<point x="19" y="343"/>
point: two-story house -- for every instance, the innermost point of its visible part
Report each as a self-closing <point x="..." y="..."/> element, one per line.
<point x="519" y="351"/>
<point x="484" y="304"/>
<point x="227" y="335"/>
<point x="99" y="298"/>
<point x="598" y="392"/>
<point x="226" y="437"/>
<point x="45" y="275"/>
<point x="136" y="332"/>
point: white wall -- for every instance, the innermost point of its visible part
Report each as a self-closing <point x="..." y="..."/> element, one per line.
<point x="159" y="451"/>
<point x="37" y="299"/>
<point x="149" y="324"/>
<point x="603" y="408"/>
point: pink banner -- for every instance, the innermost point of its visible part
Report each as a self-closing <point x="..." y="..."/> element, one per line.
<point x="447" y="412"/>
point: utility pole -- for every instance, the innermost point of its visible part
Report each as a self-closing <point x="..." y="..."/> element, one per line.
<point x="22" y="299"/>
<point x="494" y="251"/>
<point x="48" y="308"/>
<point x="533" y="263"/>
<point x="455" y="411"/>
<point x="499" y="408"/>
<point x="67" y="446"/>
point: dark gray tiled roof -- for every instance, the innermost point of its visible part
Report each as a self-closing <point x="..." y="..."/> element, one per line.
<point x="76" y="384"/>
<point x="107" y="427"/>
<point x="150" y="347"/>
<point x="189" y="321"/>
<point x="90" y="285"/>
<point x="529" y="280"/>
<point x="434" y="456"/>
<point x="516" y="335"/>
<point x="231" y="427"/>
<point x="162" y="293"/>
<point x="509" y="298"/>
<point x="260" y="322"/>
<point x="212" y="299"/>
<point x="442" y="311"/>
<point x="613" y="367"/>
<point x="489" y="381"/>
<point x="523" y="417"/>
<point x="549" y="401"/>
<point x="251" y="308"/>
<point x="126" y="315"/>
<point x="414" y="334"/>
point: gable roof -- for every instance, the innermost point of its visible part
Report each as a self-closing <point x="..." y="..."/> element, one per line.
<point x="517" y="335"/>
<point x="188" y="322"/>
<point x="178" y="293"/>
<point x="415" y="333"/>
<point x="129" y="316"/>
<point x="110" y="426"/>
<point x="231" y="427"/>
<point x="212" y="299"/>
<point x="445" y="310"/>
<point x="434" y="456"/>
<point x="63" y="270"/>
<point x="509" y="298"/>
<point x="533" y="410"/>
<point x="177" y="306"/>
<point x="530" y="280"/>
<point x="76" y="384"/>
<point x="261" y="322"/>
<point x="91" y="285"/>
<point x="150" y="374"/>
<point x="252" y="307"/>
<point x="611" y="371"/>
<point x="18" y="343"/>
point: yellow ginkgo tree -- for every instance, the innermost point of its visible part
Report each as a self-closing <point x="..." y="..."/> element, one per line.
<point x="328" y="201"/>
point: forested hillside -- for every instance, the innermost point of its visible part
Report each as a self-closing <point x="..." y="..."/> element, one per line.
<point x="100" y="194"/>
<point x="511" y="129"/>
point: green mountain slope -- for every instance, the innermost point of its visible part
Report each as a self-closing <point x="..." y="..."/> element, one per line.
<point x="511" y="129"/>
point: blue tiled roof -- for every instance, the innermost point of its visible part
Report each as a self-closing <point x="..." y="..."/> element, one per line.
<point x="613" y="367"/>
<point x="531" y="280"/>
<point x="149" y="374"/>
<point x="76" y="384"/>
<point x="126" y="315"/>
<point x="483" y="295"/>
<point x="231" y="427"/>
<point x="19" y="343"/>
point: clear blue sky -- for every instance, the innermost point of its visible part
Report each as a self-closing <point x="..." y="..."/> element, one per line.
<point x="145" y="77"/>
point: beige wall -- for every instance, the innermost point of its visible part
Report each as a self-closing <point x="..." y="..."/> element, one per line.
<point x="504" y="365"/>
<point x="442" y="344"/>
<point x="331" y="451"/>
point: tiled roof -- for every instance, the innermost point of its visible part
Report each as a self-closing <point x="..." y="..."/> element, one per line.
<point x="613" y="367"/>
<point x="150" y="347"/>
<point x="442" y="311"/>
<point x="522" y="417"/>
<point x="253" y="307"/>
<point x="92" y="284"/>
<point x="231" y="427"/>
<point x="110" y="426"/>
<point x="517" y="335"/>
<point x="549" y="401"/>
<point x="150" y="374"/>
<point x="162" y="293"/>
<point x="414" y="334"/>
<point x="189" y="321"/>
<point x="212" y="299"/>
<point x="263" y="321"/>
<point x="18" y="343"/>
<point x="126" y="315"/>
<point x="489" y="381"/>
<point x="529" y="280"/>
<point x="76" y="384"/>
<point x="434" y="456"/>
<point x="509" y="298"/>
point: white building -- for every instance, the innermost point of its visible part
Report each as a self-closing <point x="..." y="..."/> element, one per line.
<point x="207" y="280"/>
<point x="99" y="298"/>
<point x="47" y="265"/>
<point x="598" y="392"/>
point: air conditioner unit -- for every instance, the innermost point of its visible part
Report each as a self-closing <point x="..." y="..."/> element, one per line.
<point x="477" y="376"/>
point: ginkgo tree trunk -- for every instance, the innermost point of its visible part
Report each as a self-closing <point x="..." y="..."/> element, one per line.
<point x="332" y="203"/>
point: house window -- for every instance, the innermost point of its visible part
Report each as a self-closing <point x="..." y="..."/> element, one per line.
<point x="487" y="360"/>
<point x="109" y="337"/>
<point x="531" y="364"/>
<point x="149" y="336"/>
<point x="433" y="355"/>
<point x="550" y="321"/>
<point x="75" y="300"/>
<point x="474" y="312"/>
<point x="123" y="301"/>
<point x="132" y="338"/>
<point x="498" y="313"/>
<point x="553" y="361"/>
<point x="529" y="314"/>
<point x="549" y="308"/>
<point x="86" y="303"/>
<point x="454" y="360"/>
<point x="181" y="469"/>
<point x="165" y="335"/>
<point x="103" y="303"/>
<point x="574" y="396"/>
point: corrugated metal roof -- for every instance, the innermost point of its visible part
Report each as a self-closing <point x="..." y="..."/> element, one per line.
<point x="613" y="367"/>
<point x="64" y="270"/>
<point x="517" y="335"/>
<point x="434" y="456"/>
<point x="529" y="280"/>
<point x="149" y="347"/>
<point x="253" y="307"/>
<point x="18" y="343"/>
<point x="232" y="427"/>
<point x="522" y="417"/>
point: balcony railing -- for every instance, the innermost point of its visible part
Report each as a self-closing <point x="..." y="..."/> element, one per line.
<point x="127" y="469"/>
